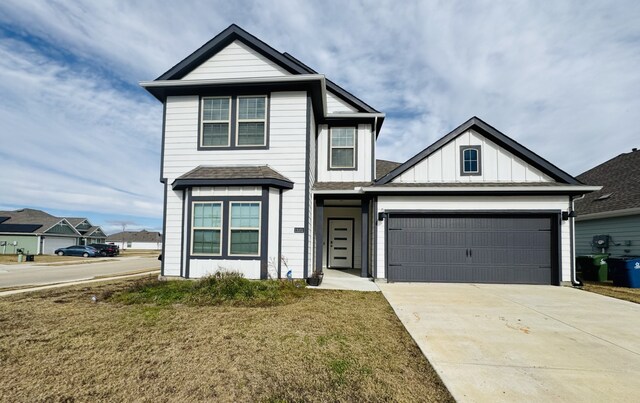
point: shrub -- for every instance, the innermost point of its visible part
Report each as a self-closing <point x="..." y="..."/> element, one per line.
<point x="228" y="288"/>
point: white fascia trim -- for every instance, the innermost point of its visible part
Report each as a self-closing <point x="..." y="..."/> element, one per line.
<point x="609" y="214"/>
<point x="257" y="80"/>
<point x="585" y="189"/>
<point x="354" y="115"/>
<point x="338" y="192"/>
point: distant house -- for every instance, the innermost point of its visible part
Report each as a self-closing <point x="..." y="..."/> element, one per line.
<point x="35" y="232"/>
<point x="150" y="240"/>
<point x="90" y="233"/>
<point x="614" y="210"/>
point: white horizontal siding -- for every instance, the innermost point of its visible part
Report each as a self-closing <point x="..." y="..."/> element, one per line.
<point x="227" y="191"/>
<point x="236" y="61"/>
<point x="286" y="155"/>
<point x="364" y="159"/>
<point x="497" y="164"/>
<point x="204" y="267"/>
<point x="475" y="203"/>
<point x="173" y="233"/>
<point x="335" y="104"/>
<point x="274" y="230"/>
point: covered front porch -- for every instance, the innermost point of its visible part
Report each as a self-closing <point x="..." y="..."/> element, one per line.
<point x="343" y="235"/>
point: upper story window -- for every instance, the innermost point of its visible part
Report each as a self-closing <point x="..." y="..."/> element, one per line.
<point x="233" y="122"/>
<point x="342" y="148"/>
<point x="252" y="121"/>
<point x="470" y="161"/>
<point x="216" y="116"/>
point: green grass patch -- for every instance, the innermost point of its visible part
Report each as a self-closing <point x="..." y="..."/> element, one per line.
<point x="226" y="288"/>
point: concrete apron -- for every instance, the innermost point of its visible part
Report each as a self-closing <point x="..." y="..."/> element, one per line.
<point x="512" y="343"/>
<point x="346" y="280"/>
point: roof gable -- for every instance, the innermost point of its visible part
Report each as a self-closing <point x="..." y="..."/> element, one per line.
<point x="538" y="166"/>
<point x="283" y="61"/>
<point x="619" y="178"/>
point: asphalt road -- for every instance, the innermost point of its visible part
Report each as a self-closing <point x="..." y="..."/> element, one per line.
<point x="19" y="275"/>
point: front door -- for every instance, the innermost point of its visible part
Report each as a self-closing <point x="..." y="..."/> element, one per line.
<point x="340" y="243"/>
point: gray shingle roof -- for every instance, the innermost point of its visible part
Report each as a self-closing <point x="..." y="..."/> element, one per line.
<point x="383" y="167"/>
<point x="619" y="178"/>
<point x="232" y="175"/>
<point x="31" y="216"/>
<point x="471" y="184"/>
<point x="135" y="236"/>
<point x="339" y="185"/>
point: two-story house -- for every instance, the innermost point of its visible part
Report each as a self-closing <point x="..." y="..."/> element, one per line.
<point x="263" y="159"/>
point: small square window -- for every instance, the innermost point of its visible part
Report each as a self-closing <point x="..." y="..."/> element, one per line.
<point x="470" y="160"/>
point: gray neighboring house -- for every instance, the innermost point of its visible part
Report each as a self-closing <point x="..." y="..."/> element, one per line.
<point x="149" y="240"/>
<point x="614" y="210"/>
<point x="35" y="231"/>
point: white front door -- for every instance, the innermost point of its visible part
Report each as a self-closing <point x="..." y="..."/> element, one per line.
<point x="340" y="243"/>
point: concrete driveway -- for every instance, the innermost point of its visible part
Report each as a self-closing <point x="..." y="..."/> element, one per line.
<point x="524" y="343"/>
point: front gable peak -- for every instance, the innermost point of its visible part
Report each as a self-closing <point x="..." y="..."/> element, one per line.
<point x="477" y="152"/>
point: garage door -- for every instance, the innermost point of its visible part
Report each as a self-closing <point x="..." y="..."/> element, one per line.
<point x="52" y="243"/>
<point x="472" y="249"/>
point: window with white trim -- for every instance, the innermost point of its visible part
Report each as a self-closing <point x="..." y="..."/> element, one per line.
<point x="470" y="161"/>
<point x="342" y="148"/>
<point x="252" y="121"/>
<point x="216" y="118"/>
<point x="244" y="229"/>
<point x="206" y="229"/>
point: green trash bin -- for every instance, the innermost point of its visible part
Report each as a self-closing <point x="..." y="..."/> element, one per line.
<point x="593" y="267"/>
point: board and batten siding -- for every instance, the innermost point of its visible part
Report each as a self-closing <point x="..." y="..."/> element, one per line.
<point x="620" y="229"/>
<point x="286" y="155"/>
<point x="497" y="164"/>
<point x="475" y="203"/>
<point x="364" y="159"/>
<point x="236" y="60"/>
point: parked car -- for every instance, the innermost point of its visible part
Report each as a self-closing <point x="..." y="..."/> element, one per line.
<point x="78" y="250"/>
<point x="106" y="249"/>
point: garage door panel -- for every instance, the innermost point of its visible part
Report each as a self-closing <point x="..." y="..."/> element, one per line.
<point x="492" y="249"/>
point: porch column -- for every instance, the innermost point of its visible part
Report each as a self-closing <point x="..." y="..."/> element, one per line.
<point x="319" y="224"/>
<point x="364" y="238"/>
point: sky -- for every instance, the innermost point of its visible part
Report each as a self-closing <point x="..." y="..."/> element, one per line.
<point x="80" y="137"/>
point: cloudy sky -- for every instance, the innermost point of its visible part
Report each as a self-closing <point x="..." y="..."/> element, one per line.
<point x="78" y="136"/>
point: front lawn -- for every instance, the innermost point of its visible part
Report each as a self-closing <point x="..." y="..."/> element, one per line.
<point x="269" y="344"/>
<point x="608" y="289"/>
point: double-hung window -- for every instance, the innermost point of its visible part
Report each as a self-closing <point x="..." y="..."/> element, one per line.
<point x="244" y="229"/>
<point x="470" y="160"/>
<point x="252" y="122"/>
<point x="206" y="227"/>
<point x="342" y="148"/>
<point x="216" y="119"/>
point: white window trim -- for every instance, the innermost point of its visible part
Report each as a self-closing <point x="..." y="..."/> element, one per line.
<point x="259" y="228"/>
<point x="193" y="227"/>
<point x="353" y="147"/>
<point x="264" y="120"/>
<point x="202" y="123"/>
<point x="477" y="160"/>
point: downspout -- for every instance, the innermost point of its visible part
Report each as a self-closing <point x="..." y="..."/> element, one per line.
<point x="572" y="222"/>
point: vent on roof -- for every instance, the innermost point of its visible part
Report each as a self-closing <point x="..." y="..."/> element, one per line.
<point x="604" y="196"/>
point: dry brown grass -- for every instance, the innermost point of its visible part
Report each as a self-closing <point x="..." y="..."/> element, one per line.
<point x="13" y="259"/>
<point x="324" y="346"/>
<point x="627" y="294"/>
<point x="139" y="252"/>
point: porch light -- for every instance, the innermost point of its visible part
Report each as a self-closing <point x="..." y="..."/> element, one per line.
<point x="381" y="216"/>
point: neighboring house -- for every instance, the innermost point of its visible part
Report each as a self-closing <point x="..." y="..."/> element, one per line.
<point x="265" y="160"/>
<point x="614" y="210"/>
<point x="35" y="232"/>
<point x="137" y="240"/>
<point x="90" y="233"/>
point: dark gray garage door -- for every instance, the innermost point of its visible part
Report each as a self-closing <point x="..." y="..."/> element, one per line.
<point x="472" y="249"/>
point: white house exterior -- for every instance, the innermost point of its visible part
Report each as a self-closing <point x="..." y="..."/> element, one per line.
<point x="265" y="160"/>
<point x="137" y="240"/>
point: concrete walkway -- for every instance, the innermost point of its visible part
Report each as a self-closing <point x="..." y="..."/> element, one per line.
<point x="346" y="280"/>
<point x="509" y="343"/>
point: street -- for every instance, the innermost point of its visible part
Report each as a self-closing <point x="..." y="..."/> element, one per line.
<point x="20" y="275"/>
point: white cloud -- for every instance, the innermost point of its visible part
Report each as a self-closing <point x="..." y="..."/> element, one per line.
<point x="559" y="77"/>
